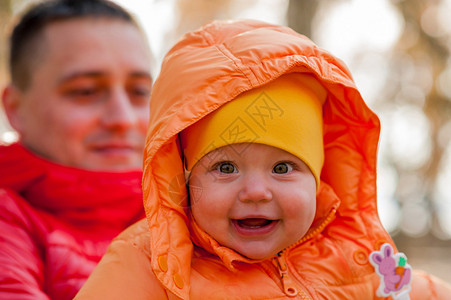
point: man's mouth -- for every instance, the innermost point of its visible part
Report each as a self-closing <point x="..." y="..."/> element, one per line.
<point x="107" y="148"/>
<point x="115" y="148"/>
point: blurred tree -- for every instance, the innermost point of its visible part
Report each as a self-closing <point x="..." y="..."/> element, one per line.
<point x="418" y="61"/>
<point x="423" y="46"/>
<point x="194" y="13"/>
<point x="300" y="15"/>
<point x="5" y="6"/>
<point x="5" y="15"/>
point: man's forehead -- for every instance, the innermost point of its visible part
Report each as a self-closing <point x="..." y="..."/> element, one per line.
<point x="88" y="31"/>
<point x="91" y="48"/>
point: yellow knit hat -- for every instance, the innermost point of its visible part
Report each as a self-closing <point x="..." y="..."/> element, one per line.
<point x="285" y="113"/>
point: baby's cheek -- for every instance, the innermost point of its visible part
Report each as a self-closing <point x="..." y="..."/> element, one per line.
<point x="195" y="195"/>
<point x="301" y="214"/>
<point x="300" y="204"/>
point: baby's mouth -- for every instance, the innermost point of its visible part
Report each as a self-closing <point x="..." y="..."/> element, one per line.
<point x="253" y="227"/>
<point x="253" y="223"/>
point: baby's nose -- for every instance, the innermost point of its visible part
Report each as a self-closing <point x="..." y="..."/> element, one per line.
<point x="255" y="188"/>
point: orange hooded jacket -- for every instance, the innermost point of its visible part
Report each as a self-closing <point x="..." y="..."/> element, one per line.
<point x="157" y="259"/>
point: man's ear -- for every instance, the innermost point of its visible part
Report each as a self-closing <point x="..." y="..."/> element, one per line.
<point x="11" y="100"/>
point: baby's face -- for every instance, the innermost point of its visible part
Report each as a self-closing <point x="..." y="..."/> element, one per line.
<point x="253" y="198"/>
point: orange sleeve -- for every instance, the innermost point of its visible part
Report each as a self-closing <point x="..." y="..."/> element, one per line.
<point x="124" y="272"/>
<point x="426" y="286"/>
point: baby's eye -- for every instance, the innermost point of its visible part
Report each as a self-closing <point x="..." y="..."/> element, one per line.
<point x="226" y="167"/>
<point x="282" y="168"/>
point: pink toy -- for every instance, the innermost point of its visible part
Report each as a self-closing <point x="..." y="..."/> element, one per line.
<point x="394" y="271"/>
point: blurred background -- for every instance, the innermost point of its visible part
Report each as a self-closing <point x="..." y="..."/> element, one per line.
<point x="399" y="54"/>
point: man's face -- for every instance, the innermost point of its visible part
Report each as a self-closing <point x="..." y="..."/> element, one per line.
<point x="87" y="103"/>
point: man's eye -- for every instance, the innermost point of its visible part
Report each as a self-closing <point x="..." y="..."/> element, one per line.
<point x="139" y="96"/>
<point x="226" y="167"/>
<point x="282" y="168"/>
<point x="83" y="92"/>
<point x="86" y="94"/>
<point x="143" y="92"/>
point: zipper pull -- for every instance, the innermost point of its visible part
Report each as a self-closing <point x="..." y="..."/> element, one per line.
<point x="289" y="286"/>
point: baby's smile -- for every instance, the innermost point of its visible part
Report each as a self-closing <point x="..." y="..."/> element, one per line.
<point x="254" y="226"/>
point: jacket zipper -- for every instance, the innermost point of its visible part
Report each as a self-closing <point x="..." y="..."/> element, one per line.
<point x="290" y="287"/>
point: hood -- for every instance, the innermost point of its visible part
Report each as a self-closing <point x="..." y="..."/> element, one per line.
<point x="211" y="66"/>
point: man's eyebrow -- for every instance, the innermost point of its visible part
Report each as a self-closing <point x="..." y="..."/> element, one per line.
<point x="98" y="74"/>
<point x="75" y="75"/>
<point x="141" y="75"/>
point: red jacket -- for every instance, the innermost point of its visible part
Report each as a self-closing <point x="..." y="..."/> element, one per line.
<point x="173" y="258"/>
<point x="56" y="222"/>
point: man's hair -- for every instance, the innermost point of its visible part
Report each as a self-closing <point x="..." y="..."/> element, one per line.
<point x="26" y="35"/>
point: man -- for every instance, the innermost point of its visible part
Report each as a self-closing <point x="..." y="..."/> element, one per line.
<point x="78" y="97"/>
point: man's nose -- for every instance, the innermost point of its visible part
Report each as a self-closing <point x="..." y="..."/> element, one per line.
<point x="119" y="112"/>
<point x="255" y="188"/>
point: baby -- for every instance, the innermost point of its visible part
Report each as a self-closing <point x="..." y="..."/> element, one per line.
<point x="259" y="180"/>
